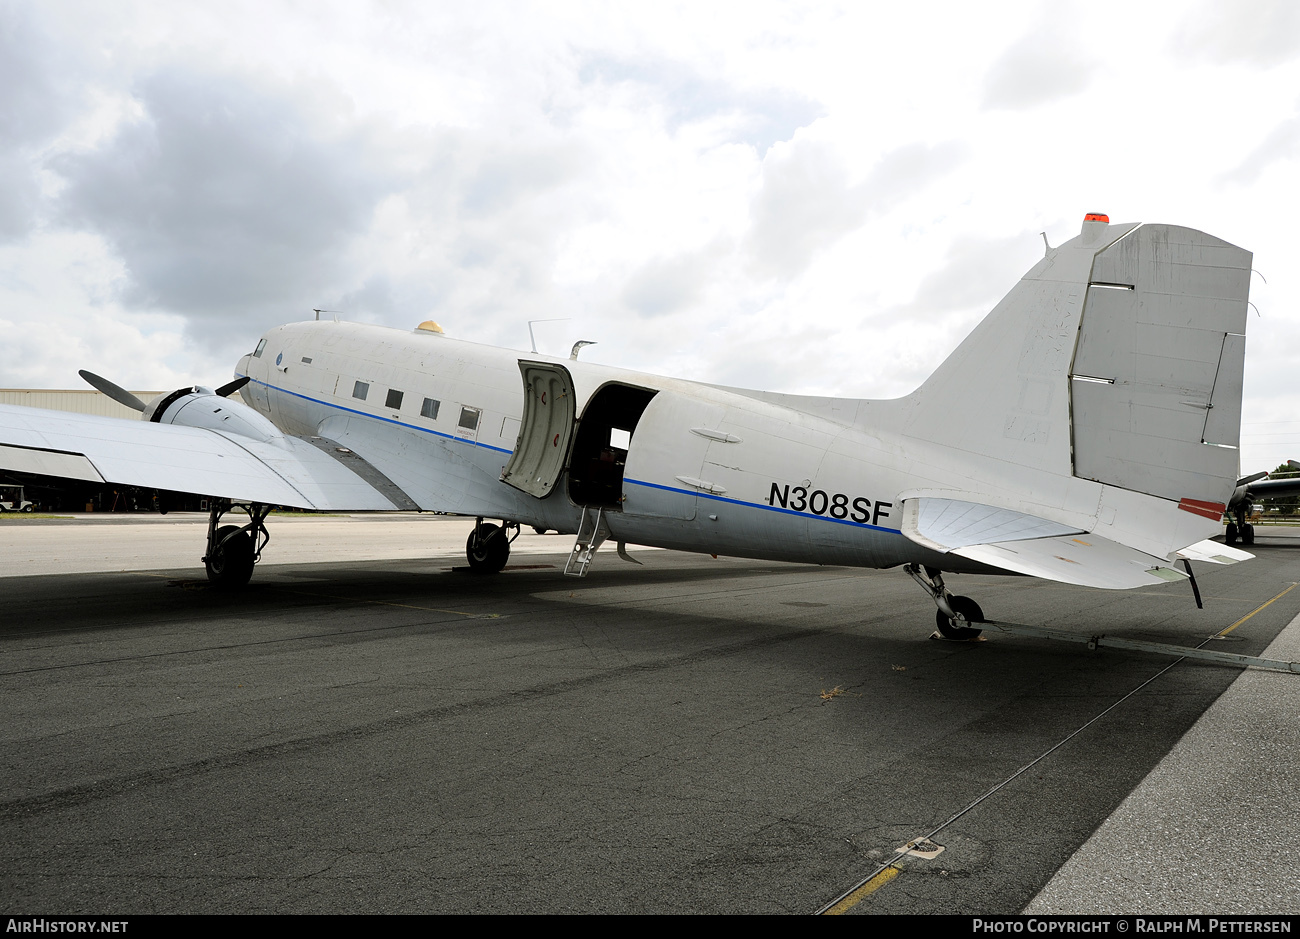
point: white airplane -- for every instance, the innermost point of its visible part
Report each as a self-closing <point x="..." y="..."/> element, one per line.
<point x="1085" y="432"/>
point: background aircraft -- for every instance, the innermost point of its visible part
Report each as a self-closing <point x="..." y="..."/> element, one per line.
<point x="1251" y="488"/>
<point x="1087" y="431"/>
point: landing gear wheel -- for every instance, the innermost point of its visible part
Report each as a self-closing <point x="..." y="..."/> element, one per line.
<point x="1248" y="534"/>
<point x="1230" y="536"/>
<point x="487" y="549"/>
<point x="949" y="628"/>
<point x="540" y="530"/>
<point x="230" y="564"/>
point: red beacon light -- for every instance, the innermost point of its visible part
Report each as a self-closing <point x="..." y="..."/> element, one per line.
<point x="1097" y="217"/>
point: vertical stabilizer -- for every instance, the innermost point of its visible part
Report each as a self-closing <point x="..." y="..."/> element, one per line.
<point x="1004" y="393"/>
<point x="1117" y="360"/>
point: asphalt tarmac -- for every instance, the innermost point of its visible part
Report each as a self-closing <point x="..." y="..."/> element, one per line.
<point x="691" y="735"/>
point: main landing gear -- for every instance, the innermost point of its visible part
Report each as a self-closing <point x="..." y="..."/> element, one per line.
<point x="488" y="547"/>
<point x="954" y="614"/>
<point x="234" y="549"/>
<point x="1240" y="530"/>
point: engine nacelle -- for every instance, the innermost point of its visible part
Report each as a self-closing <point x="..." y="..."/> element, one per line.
<point x="202" y="407"/>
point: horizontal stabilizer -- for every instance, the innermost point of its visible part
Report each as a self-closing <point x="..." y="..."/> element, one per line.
<point x="947" y="524"/>
<point x="1088" y="561"/>
<point x="1214" y="553"/>
<point x="1027" y="544"/>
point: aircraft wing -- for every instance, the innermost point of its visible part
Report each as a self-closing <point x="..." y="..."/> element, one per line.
<point x="1272" y="488"/>
<point x="308" y="473"/>
<point x="1026" y="544"/>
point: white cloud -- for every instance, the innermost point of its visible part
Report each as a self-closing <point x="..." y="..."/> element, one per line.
<point x="818" y="199"/>
<point x="1281" y="145"/>
<point x="1046" y="64"/>
<point x="1257" y="33"/>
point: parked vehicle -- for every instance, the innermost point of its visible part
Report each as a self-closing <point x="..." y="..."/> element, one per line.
<point x="13" y="499"/>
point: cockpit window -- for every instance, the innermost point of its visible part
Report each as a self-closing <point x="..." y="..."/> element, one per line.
<point x="257" y="353"/>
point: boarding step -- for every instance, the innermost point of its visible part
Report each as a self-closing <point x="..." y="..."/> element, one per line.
<point x="592" y="533"/>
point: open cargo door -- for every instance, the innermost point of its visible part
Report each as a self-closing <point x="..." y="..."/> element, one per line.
<point x="545" y="429"/>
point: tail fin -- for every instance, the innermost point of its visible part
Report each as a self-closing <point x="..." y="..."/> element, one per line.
<point x="1103" y="396"/>
<point x="1118" y="358"/>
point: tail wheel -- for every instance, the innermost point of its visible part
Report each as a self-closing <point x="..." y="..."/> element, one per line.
<point x="487" y="549"/>
<point x="952" y="629"/>
<point x="231" y="562"/>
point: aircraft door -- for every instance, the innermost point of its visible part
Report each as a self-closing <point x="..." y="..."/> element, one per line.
<point x="545" y="429"/>
<point x="665" y="463"/>
<point x="598" y="457"/>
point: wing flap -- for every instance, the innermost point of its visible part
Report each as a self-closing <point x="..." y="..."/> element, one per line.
<point x="44" y="462"/>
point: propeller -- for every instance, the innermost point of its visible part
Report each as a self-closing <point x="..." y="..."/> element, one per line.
<point x="116" y="392"/>
<point x="231" y="387"/>
<point x="122" y="396"/>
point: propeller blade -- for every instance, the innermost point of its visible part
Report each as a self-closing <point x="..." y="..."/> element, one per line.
<point x="116" y="392"/>
<point x="1250" y="479"/>
<point x="231" y="387"/>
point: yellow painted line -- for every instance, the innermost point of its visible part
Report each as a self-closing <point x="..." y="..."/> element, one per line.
<point x="866" y="890"/>
<point x="1257" y="609"/>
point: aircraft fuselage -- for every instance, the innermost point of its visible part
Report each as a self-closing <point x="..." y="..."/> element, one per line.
<point x="675" y="464"/>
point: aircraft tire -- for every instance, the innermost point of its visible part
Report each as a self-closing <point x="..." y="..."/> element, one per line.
<point x="491" y="552"/>
<point x="1230" y="536"/>
<point x="231" y="564"/>
<point x="1248" y="534"/>
<point x="540" y="530"/>
<point x="967" y="608"/>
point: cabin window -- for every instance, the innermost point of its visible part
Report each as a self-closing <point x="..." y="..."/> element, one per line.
<point x="257" y="353"/>
<point x="394" y="400"/>
<point x="469" y="418"/>
<point x="429" y="409"/>
<point x="361" y="389"/>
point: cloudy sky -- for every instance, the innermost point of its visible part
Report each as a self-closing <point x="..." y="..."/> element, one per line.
<point x="801" y="197"/>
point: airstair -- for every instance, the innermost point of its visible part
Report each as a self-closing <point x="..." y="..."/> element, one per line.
<point x="592" y="533"/>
